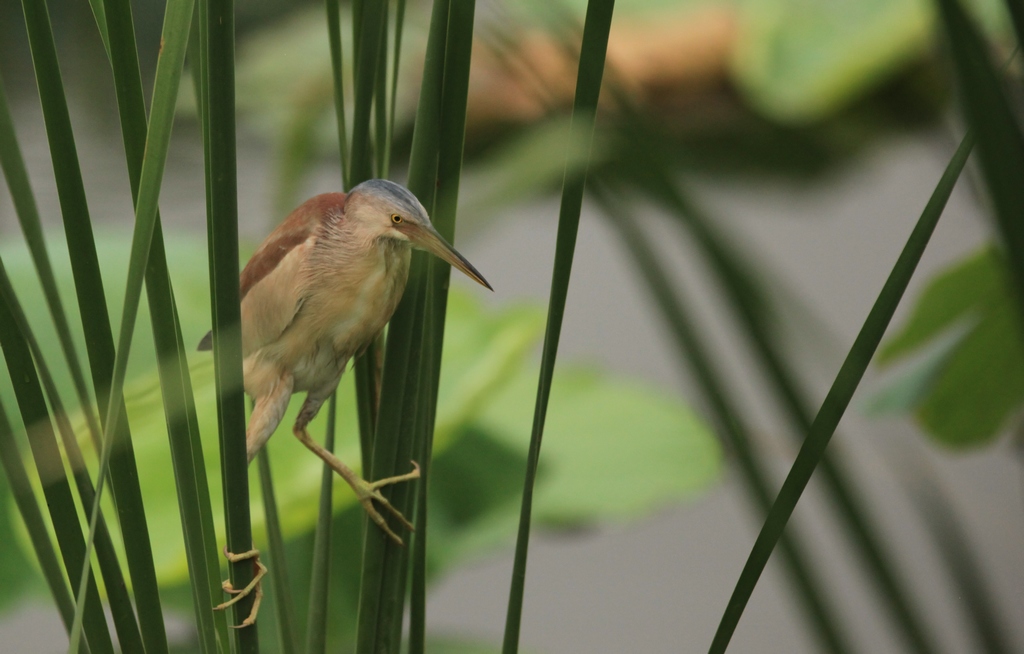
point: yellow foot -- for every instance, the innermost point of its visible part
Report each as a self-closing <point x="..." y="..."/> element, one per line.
<point x="258" y="571"/>
<point x="367" y="492"/>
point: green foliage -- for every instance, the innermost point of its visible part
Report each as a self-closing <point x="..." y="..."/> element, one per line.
<point x="964" y="376"/>
<point x="593" y="50"/>
<point x="801" y="61"/>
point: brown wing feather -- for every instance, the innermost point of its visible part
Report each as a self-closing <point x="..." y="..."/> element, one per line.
<point x="273" y="282"/>
<point x="295" y="229"/>
<point x="292" y="232"/>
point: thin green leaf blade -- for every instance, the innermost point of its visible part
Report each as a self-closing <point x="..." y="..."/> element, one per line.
<point x="122" y="612"/>
<point x="588" y="86"/>
<point x="320" y="575"/>
<point x="177" y="21"/>
<point x="369" y="26"/>
<point x="13" y="166"/>
<point x="406" y="402"/>
<point x="748" y="306"/>
<point x="451" y="132"/>
<point x="45" y="451"/>
<point x="811" y="592"/>
<point x="839" y="396"/>
<point x="218" y="115"/>
<point x="88" y="283"/>
<point x="278" y="563"/>
<point x="32" y="516"/>
<point x="334" y="36"/>
<point x="382" y="593"/>
<point x="182" y="424"/>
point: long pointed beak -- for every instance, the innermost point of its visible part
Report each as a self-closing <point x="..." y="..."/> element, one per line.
<point x="427" y="238"/>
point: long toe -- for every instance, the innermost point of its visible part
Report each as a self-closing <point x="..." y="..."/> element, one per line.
<point x="379" y="519"/>
<point x="409" y="476"/>
<point x="368" y="492"/>
<point x="392" y="510"/>
<point x="255" y="586"/>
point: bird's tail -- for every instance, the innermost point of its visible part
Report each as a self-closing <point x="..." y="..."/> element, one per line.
<point x="207" y="342"/>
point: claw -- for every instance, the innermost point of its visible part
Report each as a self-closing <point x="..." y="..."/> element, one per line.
<point x="368" y="491"/>
<point x="254" y="585"/>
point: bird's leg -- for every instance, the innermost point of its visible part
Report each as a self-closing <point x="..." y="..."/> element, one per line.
<point x="259" y="570"/>
<point x="268" y="409"/>
<point x="366" y="492"/>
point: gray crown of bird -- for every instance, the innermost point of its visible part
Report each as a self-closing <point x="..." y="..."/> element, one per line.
<point x="317" y="292"/>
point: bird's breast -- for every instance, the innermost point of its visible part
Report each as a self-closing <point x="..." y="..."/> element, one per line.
<point x="356" y="307"/>
<point x="343" y="310"/>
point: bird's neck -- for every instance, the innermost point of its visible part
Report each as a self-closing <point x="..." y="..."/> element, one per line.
<point x="344" y="254"/>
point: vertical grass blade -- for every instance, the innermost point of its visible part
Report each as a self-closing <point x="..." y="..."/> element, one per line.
<point x="382" y="592"/>
<point x="222" y="226"/>
<point x="588" y="86"/>
<point x="175" y="383"/>
<point x="451" y="134"/>
<point x="418" y="577"/>
<point x="174" y="39"/>
<point x="813" y="599"/>
<point x="201" y="547"/>
<point x="371" y="21"/>
<point x="320" y="575"/>
<point x="380" y="98"/>
<point x="334" y="37"/>
<point x="88" y="282"/>
<point x="838" y="399"/>
<point x="396" y="62"/>
<point x="399" y="434"/>
<point x="122" y="612"/>
<point x="46" y="453"/>
<point x="992" y="119"/>
<point x="35" y="525"/>
<point x="13" y="166"/>
<point x="278" y="563"/>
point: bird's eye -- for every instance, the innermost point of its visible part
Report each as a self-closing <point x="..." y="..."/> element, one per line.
<point x="395" y="218"/>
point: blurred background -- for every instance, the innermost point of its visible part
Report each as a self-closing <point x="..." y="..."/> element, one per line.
<point x="798" y="140"/>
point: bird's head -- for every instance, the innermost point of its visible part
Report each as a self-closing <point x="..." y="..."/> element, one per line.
<point x="389" y="210"/>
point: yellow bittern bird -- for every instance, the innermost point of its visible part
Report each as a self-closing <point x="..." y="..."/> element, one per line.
<point x="316" y="293"/>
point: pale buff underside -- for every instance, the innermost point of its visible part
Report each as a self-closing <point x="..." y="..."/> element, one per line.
<point x="307" y="318"/>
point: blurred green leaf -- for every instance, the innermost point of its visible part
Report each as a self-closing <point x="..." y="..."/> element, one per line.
<point x="802" y="60"/>
<point x="908" y="387"/>
<point x="975" y="285"/>
<point x="965" y="329"/>
<point x="611" y="448"/>
<point x="614" y="450"/>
